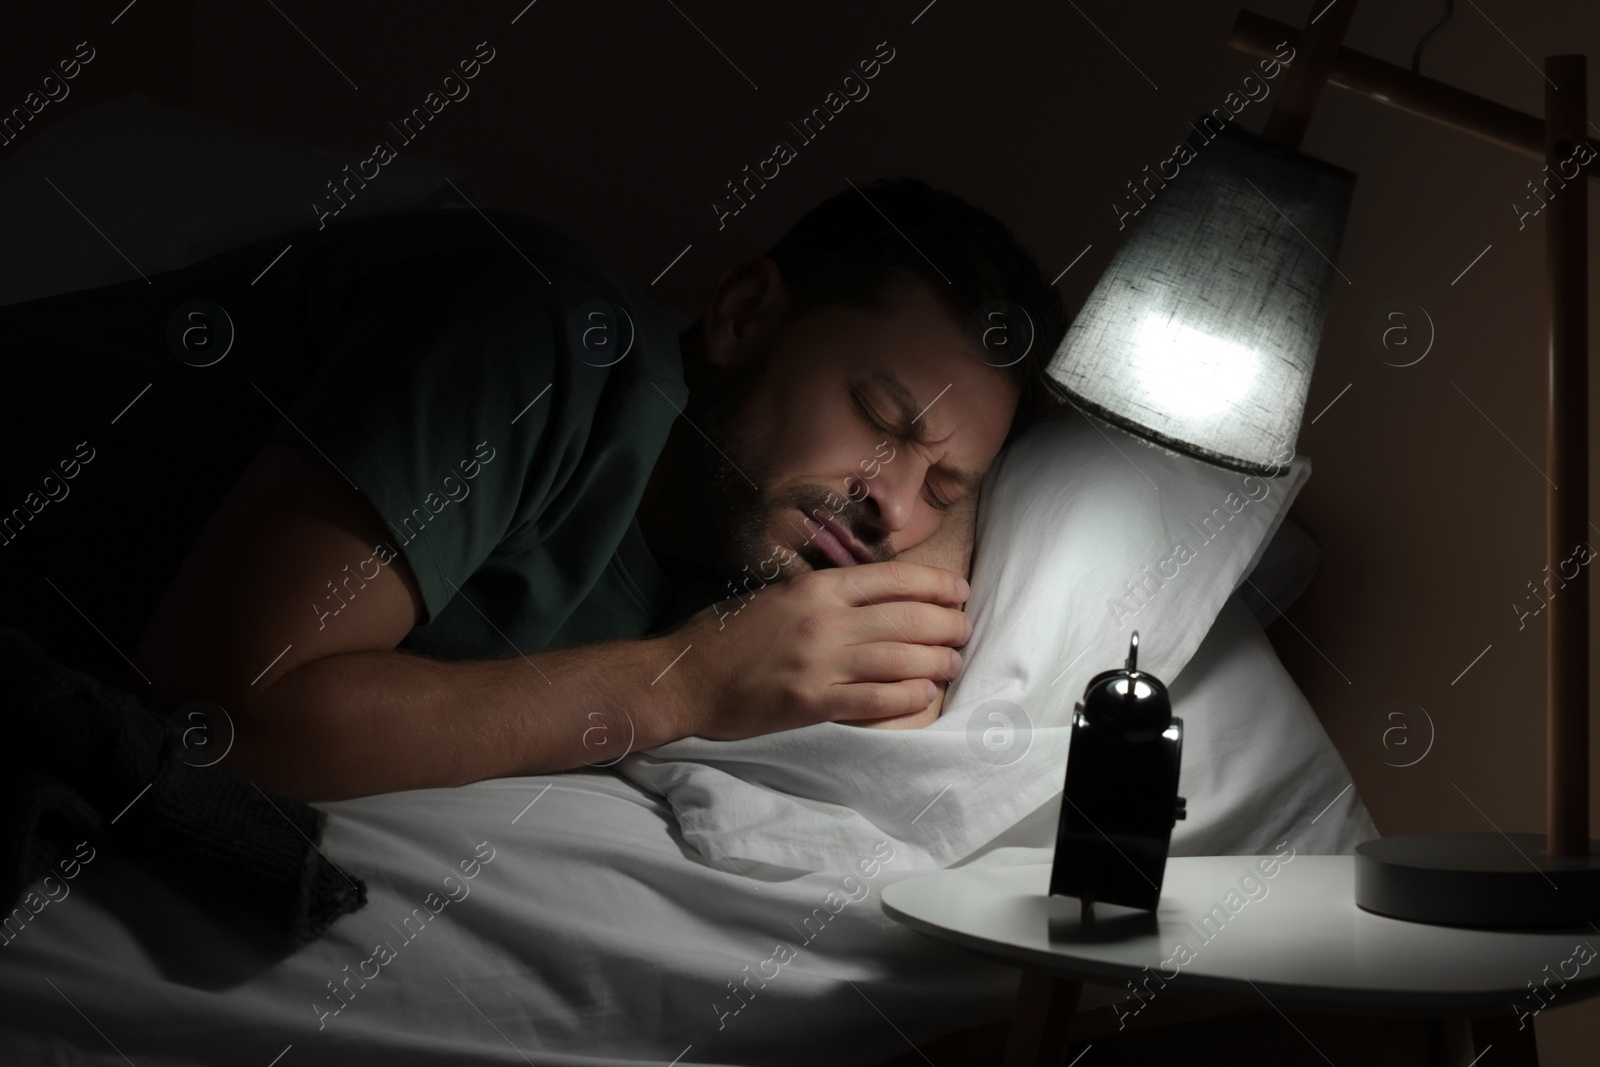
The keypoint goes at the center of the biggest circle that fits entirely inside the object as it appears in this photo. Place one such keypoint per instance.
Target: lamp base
(1478, 879)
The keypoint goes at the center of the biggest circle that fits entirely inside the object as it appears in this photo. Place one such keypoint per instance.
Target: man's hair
(864, 248)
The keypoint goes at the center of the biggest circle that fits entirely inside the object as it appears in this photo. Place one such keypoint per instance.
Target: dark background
(622, 121)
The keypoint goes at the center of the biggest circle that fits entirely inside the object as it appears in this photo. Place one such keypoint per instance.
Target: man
(443, 496)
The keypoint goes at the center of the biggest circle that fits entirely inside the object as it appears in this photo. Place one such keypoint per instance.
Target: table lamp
(1201, 335)
(1202, 332)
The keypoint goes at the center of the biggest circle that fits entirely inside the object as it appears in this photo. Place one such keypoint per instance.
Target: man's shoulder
(601, 307)
(445, 230)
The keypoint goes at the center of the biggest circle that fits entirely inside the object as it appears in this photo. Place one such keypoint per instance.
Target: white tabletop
(1301, 941)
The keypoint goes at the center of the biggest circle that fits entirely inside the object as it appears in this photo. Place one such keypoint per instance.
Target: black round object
(1478, 879)
(1132, 702)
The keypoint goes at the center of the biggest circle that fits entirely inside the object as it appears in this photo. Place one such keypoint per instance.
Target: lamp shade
(1202, 333)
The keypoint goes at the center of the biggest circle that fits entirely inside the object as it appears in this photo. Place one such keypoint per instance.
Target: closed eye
(867, 416)
(872, 420)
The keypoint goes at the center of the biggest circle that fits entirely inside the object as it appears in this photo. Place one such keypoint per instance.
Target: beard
(735, 467)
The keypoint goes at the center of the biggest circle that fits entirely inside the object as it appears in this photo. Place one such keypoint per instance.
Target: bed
(715, 902)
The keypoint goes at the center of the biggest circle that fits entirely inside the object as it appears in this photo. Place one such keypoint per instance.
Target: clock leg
(1038, 1034)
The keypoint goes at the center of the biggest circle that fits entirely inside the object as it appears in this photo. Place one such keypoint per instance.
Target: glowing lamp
(1202, 333)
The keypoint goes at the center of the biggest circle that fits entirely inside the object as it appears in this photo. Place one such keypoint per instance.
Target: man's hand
(842, 644)
(950, 547)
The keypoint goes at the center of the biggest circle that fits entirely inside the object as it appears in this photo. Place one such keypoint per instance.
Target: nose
(891, 496)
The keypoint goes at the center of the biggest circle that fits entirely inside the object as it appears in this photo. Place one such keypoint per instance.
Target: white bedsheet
(1257, 765)
(591, 937)
(596, 934)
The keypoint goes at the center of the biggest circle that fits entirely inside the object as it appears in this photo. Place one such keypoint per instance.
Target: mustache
(817, 502)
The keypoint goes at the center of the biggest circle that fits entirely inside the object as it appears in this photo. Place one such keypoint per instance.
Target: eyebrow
(906, 407)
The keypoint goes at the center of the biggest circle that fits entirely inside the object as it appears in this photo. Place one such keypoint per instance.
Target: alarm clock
(1120, 801)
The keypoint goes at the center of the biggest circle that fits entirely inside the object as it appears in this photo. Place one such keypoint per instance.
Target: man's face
(848, 438)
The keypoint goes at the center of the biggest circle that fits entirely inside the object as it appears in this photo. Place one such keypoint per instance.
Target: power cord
(1416, 54)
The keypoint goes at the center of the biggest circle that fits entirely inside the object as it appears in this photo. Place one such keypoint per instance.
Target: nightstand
(1292, 939)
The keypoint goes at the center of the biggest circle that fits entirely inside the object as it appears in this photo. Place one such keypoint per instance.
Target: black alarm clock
(1120, 801)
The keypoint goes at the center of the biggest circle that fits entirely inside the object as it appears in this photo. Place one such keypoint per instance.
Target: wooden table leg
(1449, 1042)
(1038, 1034)
(1461, 1042)
(1513, 1047)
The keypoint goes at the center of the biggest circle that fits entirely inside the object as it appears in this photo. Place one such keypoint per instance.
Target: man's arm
(326, 708)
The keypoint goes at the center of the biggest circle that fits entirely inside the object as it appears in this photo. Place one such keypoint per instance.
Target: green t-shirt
(495, 389)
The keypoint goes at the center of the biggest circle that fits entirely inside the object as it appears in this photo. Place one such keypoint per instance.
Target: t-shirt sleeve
(441, 396)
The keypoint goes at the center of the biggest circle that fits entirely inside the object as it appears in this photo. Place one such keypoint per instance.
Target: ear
(746, 309)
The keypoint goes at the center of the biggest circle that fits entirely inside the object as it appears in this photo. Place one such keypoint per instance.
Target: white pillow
(1258, 767)
(1086, 534)
(1069, 513)
(1282, 573)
